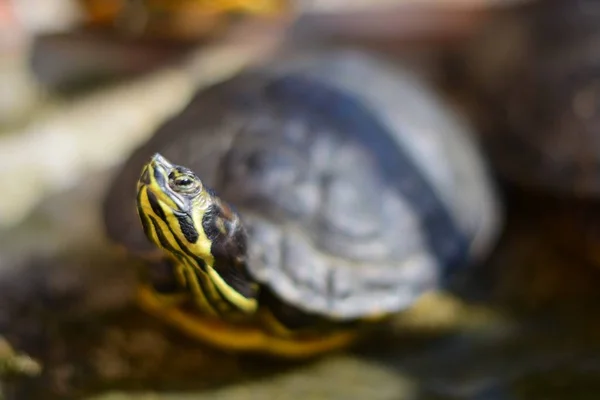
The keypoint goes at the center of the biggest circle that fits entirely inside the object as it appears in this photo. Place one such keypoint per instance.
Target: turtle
(534, 75)
(292, 207)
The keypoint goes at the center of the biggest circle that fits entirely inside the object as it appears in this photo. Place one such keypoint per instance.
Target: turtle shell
(359, 189)
(537, 70)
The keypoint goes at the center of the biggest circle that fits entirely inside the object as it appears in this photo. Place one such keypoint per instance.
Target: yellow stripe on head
(176, 210)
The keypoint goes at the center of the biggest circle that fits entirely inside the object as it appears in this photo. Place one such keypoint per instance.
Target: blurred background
(85, 82)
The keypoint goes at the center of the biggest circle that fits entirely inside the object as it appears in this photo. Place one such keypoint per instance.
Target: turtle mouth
(160, 168)
(155, 174)
(158, 161)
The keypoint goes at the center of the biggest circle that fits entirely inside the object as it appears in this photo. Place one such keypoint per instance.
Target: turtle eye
(185, 184)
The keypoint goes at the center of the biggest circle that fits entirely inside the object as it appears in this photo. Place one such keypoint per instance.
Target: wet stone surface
(66, 300)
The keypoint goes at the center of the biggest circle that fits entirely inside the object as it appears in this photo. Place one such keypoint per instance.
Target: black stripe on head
(229, 250)
(186, 252)
(161, 237)
(155, 205)
(209, 222)
(143, 217)
(145, 225)
(187, 227)
(159, 177)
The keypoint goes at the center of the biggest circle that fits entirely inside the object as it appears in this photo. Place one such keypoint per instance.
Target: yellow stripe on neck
(184, 268)
(210, 291)
(203, 244)
(245, 304)
(198, 295)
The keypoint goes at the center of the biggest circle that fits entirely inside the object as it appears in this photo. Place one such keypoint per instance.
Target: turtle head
(201, 233)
